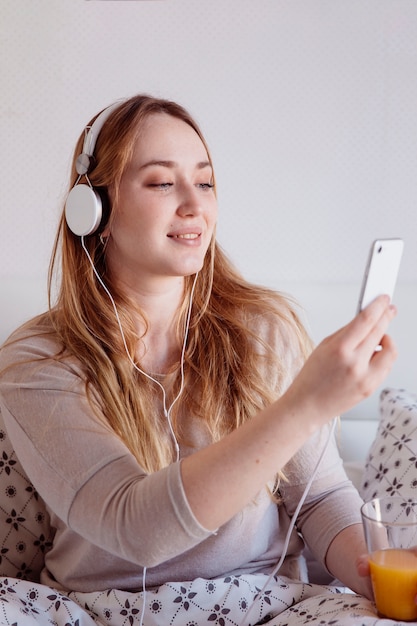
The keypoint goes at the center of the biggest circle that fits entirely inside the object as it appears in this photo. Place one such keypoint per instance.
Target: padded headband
(83, 161)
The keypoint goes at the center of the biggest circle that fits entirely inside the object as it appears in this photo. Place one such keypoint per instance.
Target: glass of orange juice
(390, 525)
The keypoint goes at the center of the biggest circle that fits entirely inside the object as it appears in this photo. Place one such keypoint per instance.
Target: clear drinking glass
(390, 525)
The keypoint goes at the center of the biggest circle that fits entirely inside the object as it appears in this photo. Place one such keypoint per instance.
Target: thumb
(362, 565)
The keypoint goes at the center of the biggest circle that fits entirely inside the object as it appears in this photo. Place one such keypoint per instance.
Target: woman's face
(166, 209)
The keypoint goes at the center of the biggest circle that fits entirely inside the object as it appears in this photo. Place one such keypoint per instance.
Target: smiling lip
(186, 236)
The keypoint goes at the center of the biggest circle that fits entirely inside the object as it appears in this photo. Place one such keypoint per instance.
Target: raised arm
(343, 370)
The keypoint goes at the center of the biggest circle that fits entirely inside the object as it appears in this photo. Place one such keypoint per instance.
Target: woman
(171, 414)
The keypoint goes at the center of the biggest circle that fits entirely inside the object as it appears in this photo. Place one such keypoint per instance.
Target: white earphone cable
(167, 412)
(142, 613)
(294, 519)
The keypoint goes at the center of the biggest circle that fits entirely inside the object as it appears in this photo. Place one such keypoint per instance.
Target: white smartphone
(381, 270)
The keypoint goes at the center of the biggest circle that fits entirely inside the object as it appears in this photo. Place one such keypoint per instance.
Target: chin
(191, 268)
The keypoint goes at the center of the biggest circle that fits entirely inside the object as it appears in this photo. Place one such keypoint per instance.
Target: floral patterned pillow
(391, 465)
(25, 531)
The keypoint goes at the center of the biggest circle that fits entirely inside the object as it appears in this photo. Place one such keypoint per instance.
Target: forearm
(342, 558)
(222, 478)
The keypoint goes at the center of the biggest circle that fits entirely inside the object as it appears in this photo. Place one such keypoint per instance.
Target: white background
(309, 108)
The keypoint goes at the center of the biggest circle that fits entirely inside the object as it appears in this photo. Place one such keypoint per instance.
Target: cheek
(125, 229)
(212, 224)
(213, 216)
(127, 216)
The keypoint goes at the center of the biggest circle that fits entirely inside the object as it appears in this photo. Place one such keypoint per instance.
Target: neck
(159, 349)
(160, 329)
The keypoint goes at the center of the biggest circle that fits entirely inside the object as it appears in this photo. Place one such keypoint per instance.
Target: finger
(362, 565)
(359, 328)
(380, 365)
(376, 336)
(387, 353)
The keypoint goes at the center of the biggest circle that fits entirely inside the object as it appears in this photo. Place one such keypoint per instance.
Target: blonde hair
(224, 361)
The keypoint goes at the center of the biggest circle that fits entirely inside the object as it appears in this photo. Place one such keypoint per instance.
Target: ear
(105, 232)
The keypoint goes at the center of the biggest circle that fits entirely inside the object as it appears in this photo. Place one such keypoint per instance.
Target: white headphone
(84, 205)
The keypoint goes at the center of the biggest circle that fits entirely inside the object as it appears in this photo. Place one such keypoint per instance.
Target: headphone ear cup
(83, 210)
(105, 207)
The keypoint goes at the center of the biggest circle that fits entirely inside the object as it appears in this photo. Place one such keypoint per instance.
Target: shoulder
(32, 348)
(276, 319)
(280, 336)
(39, 378)
(35, 337)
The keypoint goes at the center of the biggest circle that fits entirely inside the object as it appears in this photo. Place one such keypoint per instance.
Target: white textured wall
(309, 106)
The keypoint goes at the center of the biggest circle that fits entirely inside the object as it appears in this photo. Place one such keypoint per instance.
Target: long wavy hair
(224, 364)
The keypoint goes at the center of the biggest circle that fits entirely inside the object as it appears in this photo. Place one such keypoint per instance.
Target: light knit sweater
(112, 519)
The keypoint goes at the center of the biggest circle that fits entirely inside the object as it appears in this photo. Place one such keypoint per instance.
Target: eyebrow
(171, 164)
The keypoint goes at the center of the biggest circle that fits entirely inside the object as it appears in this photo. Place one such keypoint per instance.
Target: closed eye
(161, 185)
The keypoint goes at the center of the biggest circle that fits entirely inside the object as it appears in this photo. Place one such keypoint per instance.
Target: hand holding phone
(381, 270)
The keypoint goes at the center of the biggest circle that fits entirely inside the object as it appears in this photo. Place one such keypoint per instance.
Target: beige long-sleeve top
(112, 519)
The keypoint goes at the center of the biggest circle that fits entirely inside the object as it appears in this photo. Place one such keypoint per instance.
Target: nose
(189, 201)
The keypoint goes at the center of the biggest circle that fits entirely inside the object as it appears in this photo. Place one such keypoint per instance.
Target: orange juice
(394, 581)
